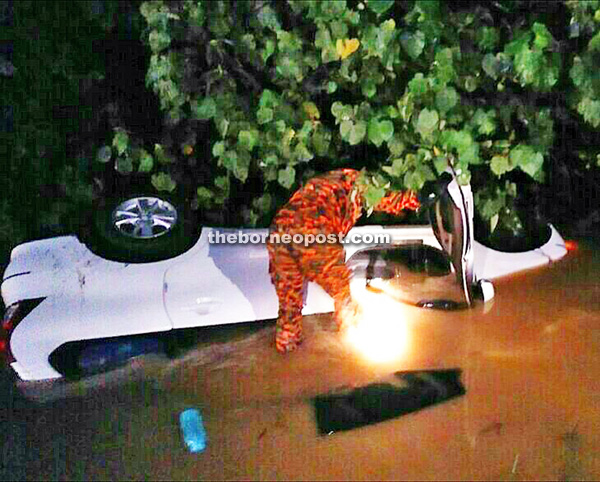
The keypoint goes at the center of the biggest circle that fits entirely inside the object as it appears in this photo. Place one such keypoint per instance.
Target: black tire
(116, 244)
(533, 236)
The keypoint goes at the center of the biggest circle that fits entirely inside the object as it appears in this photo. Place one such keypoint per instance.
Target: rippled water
(530, 370)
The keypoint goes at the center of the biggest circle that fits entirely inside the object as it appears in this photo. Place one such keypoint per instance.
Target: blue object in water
(193, 430)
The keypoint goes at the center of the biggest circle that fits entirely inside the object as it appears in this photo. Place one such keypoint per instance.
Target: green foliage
(285, 97)
(163, 182)
(584, 71)
(534, 65)
(42, 188)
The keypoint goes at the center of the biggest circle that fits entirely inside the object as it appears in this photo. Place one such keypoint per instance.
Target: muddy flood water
(530, 368)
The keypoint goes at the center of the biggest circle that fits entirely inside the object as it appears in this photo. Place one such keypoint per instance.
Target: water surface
(529, 365)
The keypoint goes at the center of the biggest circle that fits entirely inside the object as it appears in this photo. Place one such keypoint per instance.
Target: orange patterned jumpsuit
(328, 204)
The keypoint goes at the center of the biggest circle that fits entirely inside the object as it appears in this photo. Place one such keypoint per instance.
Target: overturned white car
(71, 312)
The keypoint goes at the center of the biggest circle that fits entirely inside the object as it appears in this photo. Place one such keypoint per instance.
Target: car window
(416, 274)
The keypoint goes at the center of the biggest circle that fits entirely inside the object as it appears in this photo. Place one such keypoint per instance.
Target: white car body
(87, 297)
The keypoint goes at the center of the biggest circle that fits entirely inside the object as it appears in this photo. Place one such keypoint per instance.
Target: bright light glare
(382, 335)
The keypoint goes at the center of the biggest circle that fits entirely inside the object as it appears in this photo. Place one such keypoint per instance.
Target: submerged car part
(416, 274)
(451, 214)
(451, 218)
(405, 393)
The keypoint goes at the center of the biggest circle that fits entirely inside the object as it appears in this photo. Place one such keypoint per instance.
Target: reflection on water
(382, 335)
(529, 366)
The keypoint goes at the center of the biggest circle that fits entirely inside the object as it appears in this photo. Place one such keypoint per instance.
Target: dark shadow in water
(378, 402)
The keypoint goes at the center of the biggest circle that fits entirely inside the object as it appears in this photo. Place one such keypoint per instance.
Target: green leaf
(527, 159)
(205, 196)
(543, 37)
(241, 167)
(380, 131)
(222, 182)
(396, 146)
(270, 160)
(263, 203)
(268, 50)
(520, 43)
(373, 195)
(124, 165)
(353, 133)
(205, 109)
(160, 155)
(146, 161)
(444, 66)
(487, 38)
(358, 132)
(159, 40)
(494, 222)
(195, 13)
(470, 83)
(464, 177)
(302, 153)
(331, 87)
(380, 6)
(321, 140)
(374, 133)
(248, 139)
(223, 127)
(485, 121)
(441, 164)
(590, 110)
(446, 99)
(369, 88)
(341, 112)
(413, 43)
(267, 17)
(339, 29)
(470, 155)
(419, 85)
(230, 160)
(264, 115)
(218, 149)
(427, 122)
(386, 129)
(406, 107)
(594, 43)
(280, 126)
(163, 182)
(490, 65)
(287, 177)
(345, 128)
(459, 140)
(120, 141)
(500, 165)
(421, 175)
(397, 168)
(268, 99)
(104, 154)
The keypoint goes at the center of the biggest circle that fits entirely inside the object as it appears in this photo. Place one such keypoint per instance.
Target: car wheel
(532, 236)
(142, 228)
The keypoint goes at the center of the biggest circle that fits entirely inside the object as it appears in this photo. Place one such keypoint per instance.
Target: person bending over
(329, 204)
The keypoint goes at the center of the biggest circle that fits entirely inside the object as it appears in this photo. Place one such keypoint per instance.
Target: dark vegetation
(75, 74)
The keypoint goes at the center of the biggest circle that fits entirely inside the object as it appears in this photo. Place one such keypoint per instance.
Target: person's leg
(289, 285)
(326, 265)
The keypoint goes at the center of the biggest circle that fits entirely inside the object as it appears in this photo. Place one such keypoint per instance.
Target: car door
(220, 283)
